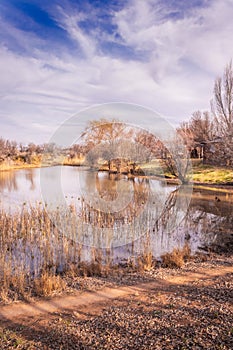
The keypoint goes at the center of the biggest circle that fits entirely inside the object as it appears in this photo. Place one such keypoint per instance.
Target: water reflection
(24, 184)
(8, 181)
(147, 221)
(107, 205)
(16, 180)
(106, 185)
(29, 175)
(214, 201)
(18, 187)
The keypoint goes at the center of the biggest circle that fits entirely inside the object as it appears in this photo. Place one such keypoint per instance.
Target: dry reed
(38, 246)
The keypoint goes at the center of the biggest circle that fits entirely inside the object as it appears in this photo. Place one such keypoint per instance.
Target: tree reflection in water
(161, 230)
(8, 181)
(148, 222)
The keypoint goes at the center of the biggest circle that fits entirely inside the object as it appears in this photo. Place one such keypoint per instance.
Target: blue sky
(60, 57)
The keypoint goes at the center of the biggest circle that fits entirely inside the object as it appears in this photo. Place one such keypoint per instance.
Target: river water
(112, 211)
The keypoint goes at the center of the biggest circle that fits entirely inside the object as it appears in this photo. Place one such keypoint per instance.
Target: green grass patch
(210, 174)
(201, 172)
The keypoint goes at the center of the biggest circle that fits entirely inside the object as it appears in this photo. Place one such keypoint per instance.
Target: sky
(60, 57)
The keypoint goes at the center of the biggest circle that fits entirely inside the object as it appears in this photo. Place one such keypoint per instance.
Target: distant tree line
(17, 152)
(7, 149)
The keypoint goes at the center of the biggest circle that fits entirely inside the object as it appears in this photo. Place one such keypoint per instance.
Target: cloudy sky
(58, 57)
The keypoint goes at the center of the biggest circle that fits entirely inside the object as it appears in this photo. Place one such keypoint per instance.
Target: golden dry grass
(177, 257)
(47, 283)
(38, 247)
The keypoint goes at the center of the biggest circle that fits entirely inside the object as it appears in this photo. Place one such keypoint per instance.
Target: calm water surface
(209, 211)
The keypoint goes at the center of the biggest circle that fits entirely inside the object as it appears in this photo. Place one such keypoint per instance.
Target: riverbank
(10, 167)
(201, 174)
(40, 162)
(161, 308)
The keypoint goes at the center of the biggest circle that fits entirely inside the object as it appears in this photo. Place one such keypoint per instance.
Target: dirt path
(99, 299)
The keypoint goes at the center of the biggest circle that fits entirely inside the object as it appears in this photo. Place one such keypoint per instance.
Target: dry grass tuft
(145, 262)
(14, 287)
(177, 257)
(47, 284)
(98, 266)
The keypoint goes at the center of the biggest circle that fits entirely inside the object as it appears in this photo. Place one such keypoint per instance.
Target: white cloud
(202, 37)
(69, 21)
(181, 58)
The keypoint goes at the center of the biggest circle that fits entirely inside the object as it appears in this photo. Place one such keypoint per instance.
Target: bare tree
(103, 130)
(7, 149)
(198, 133)
(177, 159)
(222, 109)
(222, 103)
(199, 129)
(102, 139)
(155, 148)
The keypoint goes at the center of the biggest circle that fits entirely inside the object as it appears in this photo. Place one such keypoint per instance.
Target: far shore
(221, 177)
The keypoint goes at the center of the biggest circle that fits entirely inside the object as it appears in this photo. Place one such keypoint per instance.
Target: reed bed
(34, 251)
(39, 246)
